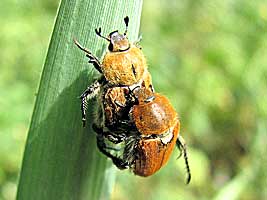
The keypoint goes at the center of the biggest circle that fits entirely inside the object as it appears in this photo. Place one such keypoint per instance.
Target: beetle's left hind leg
(89, 93)
(181, 144)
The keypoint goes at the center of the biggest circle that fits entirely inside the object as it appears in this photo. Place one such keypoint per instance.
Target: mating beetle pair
(131, 116)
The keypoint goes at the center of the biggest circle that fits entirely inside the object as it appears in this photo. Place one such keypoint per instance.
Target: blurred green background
(209, 57)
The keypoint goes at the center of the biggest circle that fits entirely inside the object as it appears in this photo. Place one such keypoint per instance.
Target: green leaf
(61, 160)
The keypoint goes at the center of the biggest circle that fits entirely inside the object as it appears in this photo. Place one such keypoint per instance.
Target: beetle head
(117, 42)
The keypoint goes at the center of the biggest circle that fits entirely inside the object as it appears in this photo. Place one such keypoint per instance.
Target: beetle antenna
(126, 21)
(98, 32)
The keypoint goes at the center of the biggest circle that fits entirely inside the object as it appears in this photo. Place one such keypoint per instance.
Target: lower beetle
(149, 133)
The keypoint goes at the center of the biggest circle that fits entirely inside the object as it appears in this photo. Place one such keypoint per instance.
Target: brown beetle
(123, 65)
(157, 122)
(150, 135)
(142, 123)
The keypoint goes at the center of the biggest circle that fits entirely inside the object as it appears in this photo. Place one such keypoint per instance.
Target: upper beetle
(123, 65)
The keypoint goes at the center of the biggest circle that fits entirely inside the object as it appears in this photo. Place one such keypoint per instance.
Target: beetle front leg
(92, 58)
(89, 93)
(181, 144)
(95, 62)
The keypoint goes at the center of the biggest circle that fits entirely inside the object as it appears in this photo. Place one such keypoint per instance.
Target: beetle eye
(110, 47)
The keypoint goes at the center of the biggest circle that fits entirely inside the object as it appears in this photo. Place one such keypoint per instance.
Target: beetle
(149, 138)
(142, 123)
(123, 65)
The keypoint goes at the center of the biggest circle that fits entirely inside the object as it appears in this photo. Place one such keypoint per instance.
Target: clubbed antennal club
(98, 32)
(126, 21)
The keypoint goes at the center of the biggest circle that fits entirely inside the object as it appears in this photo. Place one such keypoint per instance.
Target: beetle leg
(92, 58)
(103, 148)
(119, 104)
(181, 144)
(137, 42)
(130, 152)
(180, 154)
(112, 137)
(95, 62)
(89, 93)
(116, 139)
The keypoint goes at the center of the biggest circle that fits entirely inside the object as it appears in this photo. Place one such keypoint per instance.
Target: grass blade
(60, 159)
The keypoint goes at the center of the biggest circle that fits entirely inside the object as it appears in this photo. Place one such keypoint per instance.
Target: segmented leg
(94, 61)
(137, 42)
(112, 137)
(103, 148)
(92, 58)
(181, 144)
(89, 93)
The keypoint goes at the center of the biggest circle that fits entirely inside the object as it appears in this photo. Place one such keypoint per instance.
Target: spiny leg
(92, 58)
(128, 155)
(112, 137)
(103, 149)
(89, 93)
(181, 144)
